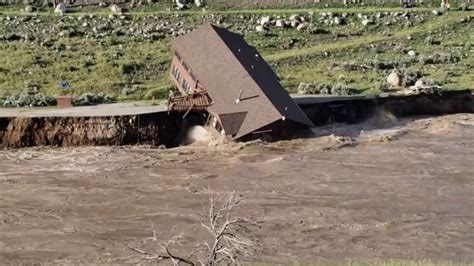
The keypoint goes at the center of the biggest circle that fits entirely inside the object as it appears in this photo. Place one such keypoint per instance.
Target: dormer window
(186, 86)
(175, 73)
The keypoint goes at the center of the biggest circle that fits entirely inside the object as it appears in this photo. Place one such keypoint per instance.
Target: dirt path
(402, 192)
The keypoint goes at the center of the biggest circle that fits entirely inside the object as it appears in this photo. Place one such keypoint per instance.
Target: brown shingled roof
(230, 69)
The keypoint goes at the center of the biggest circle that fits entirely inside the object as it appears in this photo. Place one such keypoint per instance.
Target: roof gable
(232, 122)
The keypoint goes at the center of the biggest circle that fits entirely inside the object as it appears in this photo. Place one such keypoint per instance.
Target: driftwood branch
(228, 241)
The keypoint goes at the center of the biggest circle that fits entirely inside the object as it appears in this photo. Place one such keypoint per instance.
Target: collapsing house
(217, 72)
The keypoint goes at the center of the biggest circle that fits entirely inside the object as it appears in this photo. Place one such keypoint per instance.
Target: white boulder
(302, 26)
(115, 9)
(420, 84)
(394, 79)
(181, 4)
(265, 21)
(29, 8)
(366, 22)
(280, 23)
(199, 3)
(260, 29)
(294, 23)
(295, 18)
(60, 9)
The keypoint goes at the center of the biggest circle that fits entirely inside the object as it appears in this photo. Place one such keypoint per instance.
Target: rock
(302, 26)
(420, 84)
(265, 21)
(366, 22)
(60, 9)
(337, 21)
(199, 3)
(412, 53)
(296, 18)
(115, 9)
(260, 29)
(181, 4)
(29, 8)
(280, 23)
(394, 79)
(294, 23)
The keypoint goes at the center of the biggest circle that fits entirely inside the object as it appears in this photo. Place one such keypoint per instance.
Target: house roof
(230, 69)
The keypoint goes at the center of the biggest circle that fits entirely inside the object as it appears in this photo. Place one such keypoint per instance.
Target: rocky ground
(333, 51)
(365, 193)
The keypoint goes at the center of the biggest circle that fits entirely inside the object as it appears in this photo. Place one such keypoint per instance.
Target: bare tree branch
(228, 238)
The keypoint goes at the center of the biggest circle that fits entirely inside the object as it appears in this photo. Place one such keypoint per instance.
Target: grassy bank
(131, 68)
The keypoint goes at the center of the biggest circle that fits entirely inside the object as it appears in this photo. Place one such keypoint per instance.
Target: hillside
(346, 51)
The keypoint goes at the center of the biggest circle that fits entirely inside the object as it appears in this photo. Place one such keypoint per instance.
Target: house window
(186, 86)
(175, 73)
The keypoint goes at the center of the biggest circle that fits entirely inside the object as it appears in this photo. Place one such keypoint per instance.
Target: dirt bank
(161, 128)
(156, 129)
(356, 111)
(401, 191)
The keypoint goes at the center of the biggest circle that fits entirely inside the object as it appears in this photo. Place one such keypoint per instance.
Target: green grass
(86, 66)
(309, 64)
(320, 48)
(112, 64)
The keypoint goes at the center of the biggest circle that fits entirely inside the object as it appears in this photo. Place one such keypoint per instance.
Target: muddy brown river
(380, 190)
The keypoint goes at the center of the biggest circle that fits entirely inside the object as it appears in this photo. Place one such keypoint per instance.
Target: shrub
(92, 99)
